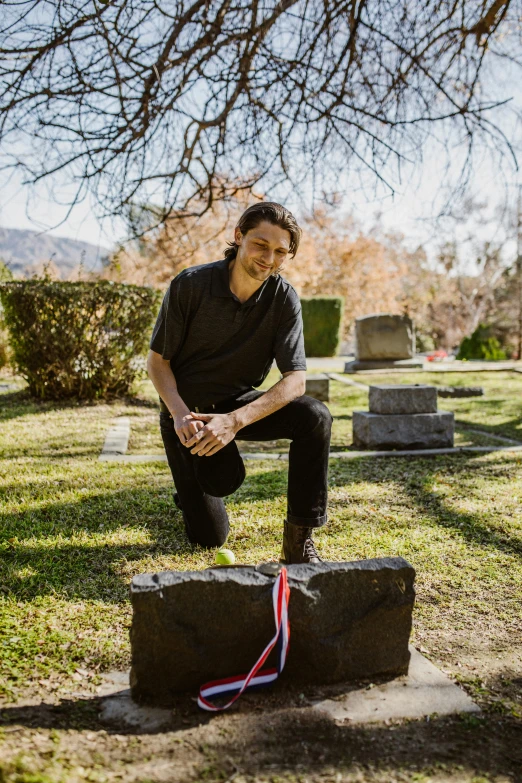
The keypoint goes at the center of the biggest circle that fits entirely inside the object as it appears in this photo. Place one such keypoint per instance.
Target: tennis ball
(225, 557)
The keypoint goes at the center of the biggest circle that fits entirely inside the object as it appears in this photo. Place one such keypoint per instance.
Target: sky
(411, 210)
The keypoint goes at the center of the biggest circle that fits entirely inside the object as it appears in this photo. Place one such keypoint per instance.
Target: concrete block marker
(348, 621)
(403, 417)
(401, 398)
(424, 691)
(403, 431)
(318, 386)
(456, 392)
(117, 438)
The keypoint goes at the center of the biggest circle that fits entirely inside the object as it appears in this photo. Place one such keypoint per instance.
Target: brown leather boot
(298, 545)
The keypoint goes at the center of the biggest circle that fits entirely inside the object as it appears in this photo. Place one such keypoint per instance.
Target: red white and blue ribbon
(256, 677)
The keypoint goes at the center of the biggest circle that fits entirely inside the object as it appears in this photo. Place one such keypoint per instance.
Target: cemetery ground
(75, 530)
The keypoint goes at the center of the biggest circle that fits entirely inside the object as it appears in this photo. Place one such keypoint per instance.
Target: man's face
(262, 250)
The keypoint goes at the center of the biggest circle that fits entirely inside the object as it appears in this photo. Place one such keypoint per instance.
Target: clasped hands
(206, 433)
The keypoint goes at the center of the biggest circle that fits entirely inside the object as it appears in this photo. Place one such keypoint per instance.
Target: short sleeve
(289, 343)
(168, 331)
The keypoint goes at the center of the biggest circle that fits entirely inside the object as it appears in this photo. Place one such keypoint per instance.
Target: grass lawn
(74, 531)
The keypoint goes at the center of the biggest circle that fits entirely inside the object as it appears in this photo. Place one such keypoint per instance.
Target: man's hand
(219, 430)
(187, 426)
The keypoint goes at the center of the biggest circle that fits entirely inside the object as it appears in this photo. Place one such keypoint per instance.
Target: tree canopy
(189, 101)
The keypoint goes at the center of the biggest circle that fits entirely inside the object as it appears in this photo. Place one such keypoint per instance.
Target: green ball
(225, 557)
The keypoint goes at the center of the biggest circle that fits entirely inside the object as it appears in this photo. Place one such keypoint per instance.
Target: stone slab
(119, 709)
(384, 336)
(405, 431)
(424, 691)
(318, 386)
(405, 398)
(457, 392)
(348, 621)
(117, 438)
(358, 365)
(472, 365)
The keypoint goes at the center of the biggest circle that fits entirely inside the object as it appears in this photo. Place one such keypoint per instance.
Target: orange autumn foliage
(335, 257)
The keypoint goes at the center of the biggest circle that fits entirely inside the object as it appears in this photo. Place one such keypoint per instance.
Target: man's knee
(314, 414)
(217, 483)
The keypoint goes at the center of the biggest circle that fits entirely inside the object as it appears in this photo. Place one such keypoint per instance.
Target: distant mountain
(25, 251)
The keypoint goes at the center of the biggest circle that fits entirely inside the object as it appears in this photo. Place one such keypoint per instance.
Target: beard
(257, 272)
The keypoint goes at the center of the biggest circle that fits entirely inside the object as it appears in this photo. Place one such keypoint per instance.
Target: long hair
(272, 213)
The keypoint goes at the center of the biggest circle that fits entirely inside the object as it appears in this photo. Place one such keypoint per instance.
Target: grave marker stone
(348, 621)
(403, 417)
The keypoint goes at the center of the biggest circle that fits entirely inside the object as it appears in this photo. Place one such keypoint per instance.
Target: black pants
(202, 482)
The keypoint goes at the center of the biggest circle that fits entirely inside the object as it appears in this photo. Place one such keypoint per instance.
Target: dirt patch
(270, 737)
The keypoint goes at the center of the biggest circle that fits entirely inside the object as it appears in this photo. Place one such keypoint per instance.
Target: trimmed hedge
(481, 345)
(322, 319)
(78, 339)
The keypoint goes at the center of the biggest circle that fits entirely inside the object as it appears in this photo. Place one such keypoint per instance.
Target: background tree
(335, 256)
(141, 100)
(158, 252)
(374, 270)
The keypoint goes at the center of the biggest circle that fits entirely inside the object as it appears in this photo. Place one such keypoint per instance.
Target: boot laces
(305, 539)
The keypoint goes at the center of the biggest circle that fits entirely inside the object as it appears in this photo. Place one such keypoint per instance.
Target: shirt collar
(220, 285)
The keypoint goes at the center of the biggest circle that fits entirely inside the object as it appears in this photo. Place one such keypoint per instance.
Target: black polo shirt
(219, 347)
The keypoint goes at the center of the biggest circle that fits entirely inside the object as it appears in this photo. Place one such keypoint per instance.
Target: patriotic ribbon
(256, 677)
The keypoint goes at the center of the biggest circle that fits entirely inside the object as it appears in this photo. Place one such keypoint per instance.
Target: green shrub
(77, 339)
(322, 318)
(481, 345)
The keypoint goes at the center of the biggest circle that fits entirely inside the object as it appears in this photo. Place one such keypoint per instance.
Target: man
(220, 327)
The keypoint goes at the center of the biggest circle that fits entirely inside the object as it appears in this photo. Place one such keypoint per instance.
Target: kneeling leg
(205, 516)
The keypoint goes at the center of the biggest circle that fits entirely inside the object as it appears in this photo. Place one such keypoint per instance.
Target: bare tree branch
(182, 103)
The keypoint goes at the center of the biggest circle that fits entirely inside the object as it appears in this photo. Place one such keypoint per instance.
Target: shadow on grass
(87, 572)
(69, 551)
(472, 527)
(478, 411)
(21, 403)
(280, 734)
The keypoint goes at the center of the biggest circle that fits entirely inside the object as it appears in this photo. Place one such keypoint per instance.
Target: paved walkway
(283, 455)
(117, 440)
(325, 363)
(336, 364)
